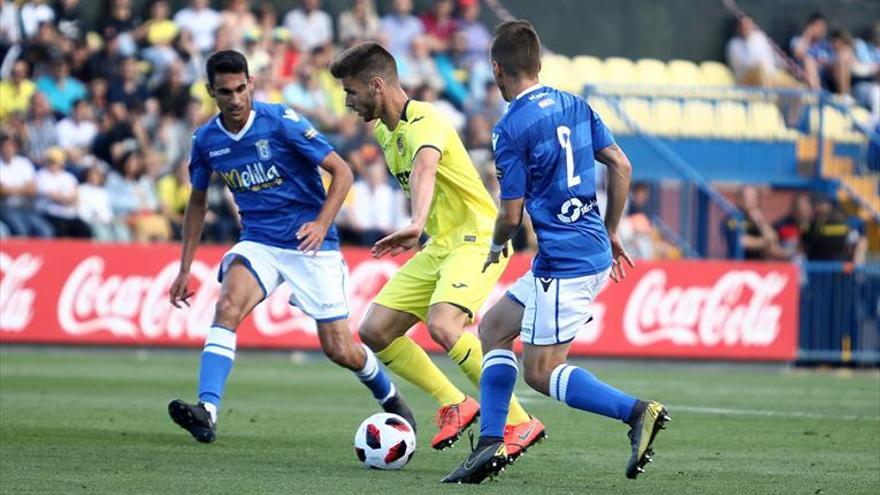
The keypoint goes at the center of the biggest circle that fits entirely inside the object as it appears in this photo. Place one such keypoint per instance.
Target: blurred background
(753, 127)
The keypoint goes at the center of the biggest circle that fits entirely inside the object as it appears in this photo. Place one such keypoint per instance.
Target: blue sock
(496, 387)
(373, 375)
(578, 388)
(217, 358)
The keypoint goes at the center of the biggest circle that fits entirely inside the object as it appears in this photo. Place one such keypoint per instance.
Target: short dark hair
(365, 61)
(226, 62)
(517, 48)
(815, 16)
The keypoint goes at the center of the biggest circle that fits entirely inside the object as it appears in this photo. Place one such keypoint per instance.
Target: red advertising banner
(68, 292)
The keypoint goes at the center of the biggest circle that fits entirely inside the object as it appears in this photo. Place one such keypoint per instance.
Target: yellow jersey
(462, 211)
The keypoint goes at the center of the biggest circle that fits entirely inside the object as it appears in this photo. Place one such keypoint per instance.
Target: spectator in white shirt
(33, 14)
(310, 26)
(753, 60)
(10, 29)
(94, 208)
(17, 191)
(378, 208)
(401, 27)
(57, 197)
(77, 131)
(200, 20)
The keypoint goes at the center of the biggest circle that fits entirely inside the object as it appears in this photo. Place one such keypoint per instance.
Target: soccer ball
(384, 441)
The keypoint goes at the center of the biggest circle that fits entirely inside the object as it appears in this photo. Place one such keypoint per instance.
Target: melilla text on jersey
(255, 176)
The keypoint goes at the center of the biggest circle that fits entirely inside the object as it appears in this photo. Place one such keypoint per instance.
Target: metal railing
(840, 314)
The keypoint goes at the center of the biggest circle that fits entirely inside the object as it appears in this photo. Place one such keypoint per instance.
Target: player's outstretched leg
(383, 331)
(239, 294)
(339, 346)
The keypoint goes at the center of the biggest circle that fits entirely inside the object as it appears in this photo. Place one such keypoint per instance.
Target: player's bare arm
(311, 234)
(619, 176)
(424, 174)
(193, 222)
(510, 216)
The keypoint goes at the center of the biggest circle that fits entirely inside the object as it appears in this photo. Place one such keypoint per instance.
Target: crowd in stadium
(97, 123)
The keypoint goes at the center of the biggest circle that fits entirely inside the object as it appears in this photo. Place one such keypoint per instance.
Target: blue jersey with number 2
(544, 152)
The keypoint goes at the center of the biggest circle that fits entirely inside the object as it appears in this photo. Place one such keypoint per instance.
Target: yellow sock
(468, 355)
(412, 363)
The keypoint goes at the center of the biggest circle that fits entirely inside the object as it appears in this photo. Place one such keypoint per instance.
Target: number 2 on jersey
(564, 135)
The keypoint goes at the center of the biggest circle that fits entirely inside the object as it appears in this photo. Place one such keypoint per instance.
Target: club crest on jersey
(263, 149)
(400, 144)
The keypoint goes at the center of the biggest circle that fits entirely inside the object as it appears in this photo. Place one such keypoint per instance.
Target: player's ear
(250, 82)
(496, 70)
(377, 85)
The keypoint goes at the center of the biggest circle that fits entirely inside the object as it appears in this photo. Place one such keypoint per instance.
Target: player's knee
(443, 333)
(229, 312)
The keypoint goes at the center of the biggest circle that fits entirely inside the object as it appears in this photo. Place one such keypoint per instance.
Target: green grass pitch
(95, 421)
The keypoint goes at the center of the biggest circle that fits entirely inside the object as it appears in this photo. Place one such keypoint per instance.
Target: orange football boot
(453, 420)
(518, 438)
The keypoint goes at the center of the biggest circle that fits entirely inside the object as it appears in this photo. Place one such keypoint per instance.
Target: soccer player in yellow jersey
(439, 285)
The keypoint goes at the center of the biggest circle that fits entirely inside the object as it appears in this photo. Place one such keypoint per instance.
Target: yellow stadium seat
(667, 117)
(715, 74)
(731, 120)
(556, 71)
(620, 70)
(682, 73)
(588, 70)
(698, 118)
(650, 71)
(639, 111)
(609, 115)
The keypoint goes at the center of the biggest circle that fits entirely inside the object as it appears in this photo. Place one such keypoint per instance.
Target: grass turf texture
(86, 421)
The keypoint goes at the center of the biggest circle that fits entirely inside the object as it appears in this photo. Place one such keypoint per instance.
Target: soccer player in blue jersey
(269, 158)
(545, 148)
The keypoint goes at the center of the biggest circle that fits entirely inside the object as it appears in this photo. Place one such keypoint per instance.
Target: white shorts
(555, 308)
(318, 281)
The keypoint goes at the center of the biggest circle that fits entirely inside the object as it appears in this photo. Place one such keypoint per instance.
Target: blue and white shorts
(555, 308)
(319, 281)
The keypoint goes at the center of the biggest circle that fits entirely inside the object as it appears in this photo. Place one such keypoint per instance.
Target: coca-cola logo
(17, 300)
(739, 309)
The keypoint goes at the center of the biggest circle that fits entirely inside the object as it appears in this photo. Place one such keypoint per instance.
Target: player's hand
(311, 236)
(179, 291)
(398, 242)
(495, 257)
(618, 257)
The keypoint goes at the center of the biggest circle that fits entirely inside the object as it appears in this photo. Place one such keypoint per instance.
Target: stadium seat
(609, 115)
(765, 122)
(667, 117)
(639, 111)
(588, 70)
(556, 71)
(698, 118)
(651, 71)
(620, 71)
(715, 74)
(682, 73)
(731, 120)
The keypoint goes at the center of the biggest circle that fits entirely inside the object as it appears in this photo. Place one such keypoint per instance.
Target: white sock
(212, 410)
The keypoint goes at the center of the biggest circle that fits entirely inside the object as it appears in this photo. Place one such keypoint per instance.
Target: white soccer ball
(384, 441)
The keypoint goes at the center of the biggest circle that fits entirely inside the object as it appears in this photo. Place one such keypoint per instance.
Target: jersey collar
(403, 112)
(528, 90)
(240, 134)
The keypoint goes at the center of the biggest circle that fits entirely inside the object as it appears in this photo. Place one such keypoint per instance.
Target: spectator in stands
(40, 132)
(439, 25)
(238, 19)
(358, 23)
(756, 235)
(106, 63)
(172, 94)
(57, 197)
(222, 223)
(420, 68)
(128, 89)
(310, 26)
(475, 34)
(95, 210)
(41, 50)
(401, 27)
(17, 192)
(173, 192)
(829, 233)
(69, 19)
(478, 141)
(33, 14)
(16, 92)
(159, 32)
(10, 26)
(60, 89)
(866, 69)
(133, 197)
(77, 131)
(201, 21)
(812, 50)
(121, 20)
(753, 59)
(791, 229)
(378, 208)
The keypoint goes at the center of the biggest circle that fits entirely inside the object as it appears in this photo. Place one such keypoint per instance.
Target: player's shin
(374, 377)
(467, 353)
(411, 362)
(218, 356)
(580, 389)
(496, 389)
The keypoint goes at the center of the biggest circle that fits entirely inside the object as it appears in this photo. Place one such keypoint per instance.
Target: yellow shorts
(432, 277)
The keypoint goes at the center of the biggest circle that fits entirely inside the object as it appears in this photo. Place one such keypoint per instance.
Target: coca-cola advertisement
(70, 292)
